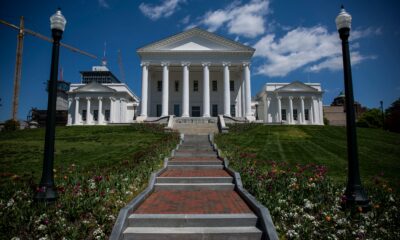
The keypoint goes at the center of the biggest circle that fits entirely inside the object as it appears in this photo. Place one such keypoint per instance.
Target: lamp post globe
(47, 191)
(355, 194)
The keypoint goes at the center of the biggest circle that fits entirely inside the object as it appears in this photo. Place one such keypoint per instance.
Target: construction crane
(121, 67)
(18, 64)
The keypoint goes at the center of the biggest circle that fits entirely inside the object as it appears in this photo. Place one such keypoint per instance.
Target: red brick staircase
(194, 197)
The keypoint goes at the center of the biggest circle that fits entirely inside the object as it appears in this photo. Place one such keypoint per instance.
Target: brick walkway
(194, 198)
(193, 202)
(195, 173)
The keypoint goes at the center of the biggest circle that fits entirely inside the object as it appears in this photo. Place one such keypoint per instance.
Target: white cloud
(185, 20)
(336, 62)
(246, 20)
(304, 46)
(103, 3)
(155, 12)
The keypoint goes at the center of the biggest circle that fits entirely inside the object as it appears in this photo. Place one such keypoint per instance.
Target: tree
(371, 118)
(392, 122)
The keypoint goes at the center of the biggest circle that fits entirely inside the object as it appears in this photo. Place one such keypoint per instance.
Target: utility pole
(18, 67)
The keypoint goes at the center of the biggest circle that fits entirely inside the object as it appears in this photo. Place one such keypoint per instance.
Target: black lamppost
(355, 194)
(47, 191)
(383, 115)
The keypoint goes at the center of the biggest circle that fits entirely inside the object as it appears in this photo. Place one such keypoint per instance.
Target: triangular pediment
(296, 87)
(94, 87)
(196, 40)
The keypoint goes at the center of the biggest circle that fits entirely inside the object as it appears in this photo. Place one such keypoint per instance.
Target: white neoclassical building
(195, 74)
(100, 99)
(291, 103)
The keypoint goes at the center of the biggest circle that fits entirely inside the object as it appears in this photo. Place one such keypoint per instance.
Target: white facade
(196, 74)
(291, 103)
(101, 104)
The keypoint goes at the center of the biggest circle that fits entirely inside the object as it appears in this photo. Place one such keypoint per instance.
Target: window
(233, 111)
(177, 87)
(95, 115)
(214, 110)
(107, 115)
(158, 110)
(195, 111)
(232, 86)
(177, 111)
(159, 86)
(214, 86)
(306, 114)
(195, 86)
(295, 114)
(283, 114)
(84, 112)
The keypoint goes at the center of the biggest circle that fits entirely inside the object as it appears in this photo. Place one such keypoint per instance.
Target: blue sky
(294, 40)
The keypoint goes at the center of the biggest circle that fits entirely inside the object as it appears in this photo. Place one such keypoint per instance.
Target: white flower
(42, 227)
(44, 238)
(391, 199)
(15, 238)
(10, 202)
(308, 204)
(292, 233)
(111, 217)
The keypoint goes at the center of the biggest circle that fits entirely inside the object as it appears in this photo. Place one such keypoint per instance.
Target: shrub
(11, 125)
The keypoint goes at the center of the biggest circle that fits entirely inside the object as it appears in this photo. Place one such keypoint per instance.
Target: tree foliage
(371, 118)
(392, 121)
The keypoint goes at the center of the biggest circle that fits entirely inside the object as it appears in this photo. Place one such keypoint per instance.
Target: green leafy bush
(11, 125)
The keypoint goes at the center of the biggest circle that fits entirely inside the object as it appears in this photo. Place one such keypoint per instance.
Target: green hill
(379, 151)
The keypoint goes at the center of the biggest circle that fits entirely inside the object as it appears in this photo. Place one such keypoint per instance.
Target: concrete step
(194, 180)
(194, 167)
(195, 153)
(193, 147)
(194, 186)
(192, 233)
(192, 220)
(202, 162)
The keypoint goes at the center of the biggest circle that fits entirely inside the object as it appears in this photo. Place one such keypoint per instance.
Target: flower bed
(306, 204)
(89, 198)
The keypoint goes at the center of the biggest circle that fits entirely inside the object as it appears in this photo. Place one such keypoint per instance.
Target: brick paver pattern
(193, 202)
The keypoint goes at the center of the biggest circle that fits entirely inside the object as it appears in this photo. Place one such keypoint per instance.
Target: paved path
(193, 199)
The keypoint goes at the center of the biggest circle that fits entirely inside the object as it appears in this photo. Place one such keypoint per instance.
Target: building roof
(94, 87)
(195, 40)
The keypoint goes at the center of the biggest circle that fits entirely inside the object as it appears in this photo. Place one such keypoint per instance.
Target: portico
(291, 103)
(196, 74)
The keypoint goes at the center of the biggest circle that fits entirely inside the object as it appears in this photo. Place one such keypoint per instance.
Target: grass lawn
(379, 151)
(299, 174)
(98, 169)
(91, 148)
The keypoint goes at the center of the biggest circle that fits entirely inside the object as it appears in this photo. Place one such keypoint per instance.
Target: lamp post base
(46, 194)
(356, 197)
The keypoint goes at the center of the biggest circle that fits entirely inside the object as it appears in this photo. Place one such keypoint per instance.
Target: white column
(290, 110)
(145, 85)
(112, 110)
(266, 107)
(206, 90)
(69, 121)
(321, 111)
(315, 110)
(100, 110)
(312, 116)
(247, 88)
(165, 89)
(227, 95)
(279, 109)
(243, 96)
(76, 117)
(88, 113)
(185, 88)
(302, 119)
